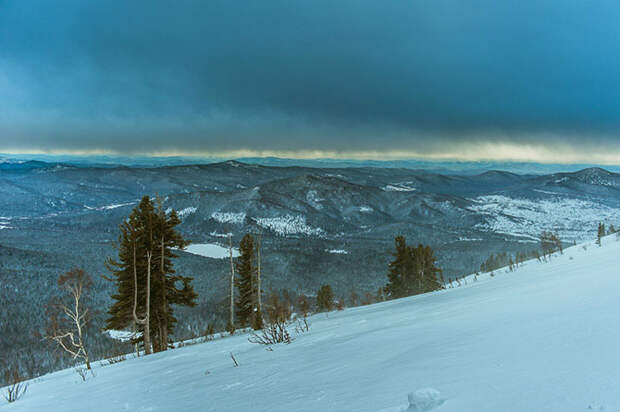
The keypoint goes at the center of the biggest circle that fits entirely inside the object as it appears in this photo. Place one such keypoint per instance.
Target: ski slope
(545, 337)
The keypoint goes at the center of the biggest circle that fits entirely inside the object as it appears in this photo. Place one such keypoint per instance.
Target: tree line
(147, 288)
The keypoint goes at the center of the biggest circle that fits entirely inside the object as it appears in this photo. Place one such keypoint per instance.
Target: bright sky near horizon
(535, 80)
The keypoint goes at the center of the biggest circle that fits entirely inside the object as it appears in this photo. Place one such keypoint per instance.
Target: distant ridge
(444, 167)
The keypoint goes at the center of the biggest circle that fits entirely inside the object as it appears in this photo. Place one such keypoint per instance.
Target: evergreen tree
(600, 234)
(398, 270)
(425, 274)
(145, 279)
(246, 283)
(412, 271)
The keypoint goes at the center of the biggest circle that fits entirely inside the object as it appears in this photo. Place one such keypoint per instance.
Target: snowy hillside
(542, 338)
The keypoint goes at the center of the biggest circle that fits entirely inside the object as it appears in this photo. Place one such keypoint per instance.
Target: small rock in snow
(424, 400)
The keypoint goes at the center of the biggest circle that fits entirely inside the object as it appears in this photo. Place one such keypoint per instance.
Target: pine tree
(257, 321)
(230, 325)
(426, 272)
(398, 270)
(246, 283)
(412, 271)
(144, 275)
(600, 234)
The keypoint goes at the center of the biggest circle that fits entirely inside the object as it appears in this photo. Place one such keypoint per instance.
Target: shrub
(325, 298)
(274, 333)
(16, 385)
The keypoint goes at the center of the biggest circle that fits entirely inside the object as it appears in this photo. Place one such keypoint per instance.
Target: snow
(4, 223)
(541, 338)
(186, 212)
(110, 207)
(122, 335)
(424, 400)
(210, 250)
(313, 198)
(572, 219)
(228, 217)
(398, 187)
(288, 225)
(337, 251)
(215, 234)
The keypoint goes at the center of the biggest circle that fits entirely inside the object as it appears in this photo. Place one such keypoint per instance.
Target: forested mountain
(318, 226)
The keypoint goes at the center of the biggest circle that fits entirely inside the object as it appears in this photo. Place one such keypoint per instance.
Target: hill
(541, 338)
(332, 225)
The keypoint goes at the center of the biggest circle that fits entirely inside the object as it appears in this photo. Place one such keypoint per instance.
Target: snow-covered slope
(542, 338)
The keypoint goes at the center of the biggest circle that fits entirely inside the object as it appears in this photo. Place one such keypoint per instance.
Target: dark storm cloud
(306, 75)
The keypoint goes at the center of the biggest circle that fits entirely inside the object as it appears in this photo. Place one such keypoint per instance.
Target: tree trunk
(258, 291)
(231, 320)
(77, 294)
(147, 316)
(163, 336)
(146, 336)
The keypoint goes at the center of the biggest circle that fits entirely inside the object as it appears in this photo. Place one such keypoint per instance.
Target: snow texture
(570, 218)
(398, 187)
(337, 251)
(215, 234)
(110, 207)
(4, 223)
(288, 225)
(542, 338)
(186, 212)
(313, 199)
(424, 400)
(122, 335)
(228, 217)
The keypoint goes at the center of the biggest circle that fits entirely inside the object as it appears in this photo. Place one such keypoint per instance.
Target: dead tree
(69, 315)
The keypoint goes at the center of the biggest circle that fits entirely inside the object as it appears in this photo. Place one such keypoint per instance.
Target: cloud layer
(400, 78)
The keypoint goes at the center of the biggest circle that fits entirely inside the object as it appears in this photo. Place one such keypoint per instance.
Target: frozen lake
(210, 250)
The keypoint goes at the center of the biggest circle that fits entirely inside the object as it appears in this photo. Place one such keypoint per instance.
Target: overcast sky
(480, 79)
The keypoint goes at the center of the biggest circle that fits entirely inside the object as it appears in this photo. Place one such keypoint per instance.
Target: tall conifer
(246, 282)
(145, 278)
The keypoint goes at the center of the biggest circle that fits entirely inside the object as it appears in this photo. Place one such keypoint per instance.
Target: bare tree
(69, 315)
